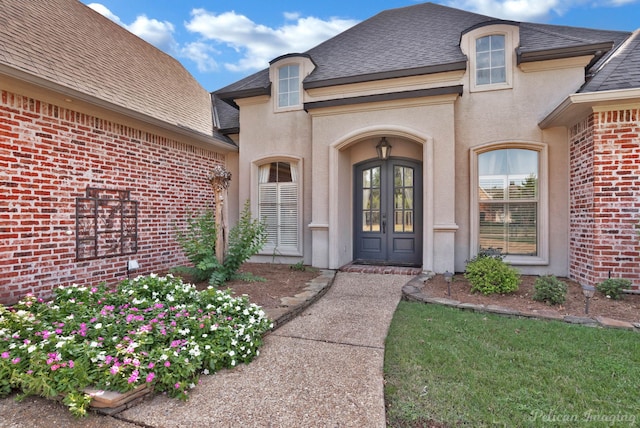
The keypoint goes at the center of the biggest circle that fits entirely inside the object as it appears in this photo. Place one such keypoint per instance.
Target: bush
(490, 275)
(199, 244)
(550, 289)
(613, 287)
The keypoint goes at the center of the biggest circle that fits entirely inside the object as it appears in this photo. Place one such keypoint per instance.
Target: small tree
(199, 243)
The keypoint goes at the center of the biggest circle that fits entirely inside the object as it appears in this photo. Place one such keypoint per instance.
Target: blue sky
(220, 42)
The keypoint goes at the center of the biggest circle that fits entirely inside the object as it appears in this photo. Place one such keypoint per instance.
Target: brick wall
(49, 155)
(581, 202)
(604, 234)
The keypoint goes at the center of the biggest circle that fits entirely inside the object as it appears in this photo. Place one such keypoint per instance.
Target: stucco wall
(512, 115)
(50, 155)
(267, 136)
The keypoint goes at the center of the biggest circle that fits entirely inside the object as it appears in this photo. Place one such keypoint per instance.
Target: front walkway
(322, 369)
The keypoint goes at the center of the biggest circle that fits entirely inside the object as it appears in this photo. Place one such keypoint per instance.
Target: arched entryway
(388, 209)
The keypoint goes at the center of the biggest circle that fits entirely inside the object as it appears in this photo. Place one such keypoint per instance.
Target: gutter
(579, 105)
(181, 130)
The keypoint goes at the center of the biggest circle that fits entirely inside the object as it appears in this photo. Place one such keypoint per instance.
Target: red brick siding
(49, 155)
(615, 211)
(581, 202)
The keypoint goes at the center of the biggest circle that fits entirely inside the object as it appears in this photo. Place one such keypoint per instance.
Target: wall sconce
(383, 148)
(132, 266)
(448, 276)
(588, 291)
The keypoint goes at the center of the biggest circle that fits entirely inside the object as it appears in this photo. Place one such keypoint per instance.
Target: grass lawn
(449, 367)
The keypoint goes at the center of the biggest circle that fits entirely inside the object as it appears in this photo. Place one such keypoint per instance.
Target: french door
(388, 212)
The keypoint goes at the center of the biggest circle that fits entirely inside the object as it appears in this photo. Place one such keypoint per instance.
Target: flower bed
(152, 330)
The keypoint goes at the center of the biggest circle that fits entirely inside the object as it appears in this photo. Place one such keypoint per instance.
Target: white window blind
(508, 201)
(278, 205)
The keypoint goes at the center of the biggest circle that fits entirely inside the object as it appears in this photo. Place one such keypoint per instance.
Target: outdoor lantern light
(588, 291)
(448, 276)
(383, 148)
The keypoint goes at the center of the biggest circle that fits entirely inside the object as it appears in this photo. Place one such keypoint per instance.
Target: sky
(220, 42)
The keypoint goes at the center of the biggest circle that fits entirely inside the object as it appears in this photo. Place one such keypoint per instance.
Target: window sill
(526, 261)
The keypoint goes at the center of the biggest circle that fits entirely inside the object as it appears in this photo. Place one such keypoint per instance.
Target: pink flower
(55, 367)
(133, 377)
(71, 364)
(16, 360)
(167, 364)
(150, 377)
(5, 354)
(177, 385)
(151, 365)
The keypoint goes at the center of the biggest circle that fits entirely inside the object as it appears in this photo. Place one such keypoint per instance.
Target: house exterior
(105, 144)
(509, 136)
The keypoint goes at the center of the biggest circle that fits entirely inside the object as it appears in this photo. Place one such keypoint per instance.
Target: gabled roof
(66, 46)
(423, 39)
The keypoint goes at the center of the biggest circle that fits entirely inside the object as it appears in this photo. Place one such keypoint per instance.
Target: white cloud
(530, 10)
(104, 11)
(200, 53)
(159, 34)
(258, 44)
(517, 10)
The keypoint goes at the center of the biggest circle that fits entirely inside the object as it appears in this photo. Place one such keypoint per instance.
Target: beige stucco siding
(270, 136)
(343, 136)
(512, 115)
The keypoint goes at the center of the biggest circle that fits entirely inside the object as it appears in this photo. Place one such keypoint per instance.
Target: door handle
(384, 226)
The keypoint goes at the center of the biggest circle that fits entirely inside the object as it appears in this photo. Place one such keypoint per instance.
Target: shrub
(550, 289)
(490, 275)
(612, 287)
(199, 244)
(152, 330)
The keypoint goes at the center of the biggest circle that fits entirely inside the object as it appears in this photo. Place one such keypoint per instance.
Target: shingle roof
(69, 44)
(620, 71)
(416, 40)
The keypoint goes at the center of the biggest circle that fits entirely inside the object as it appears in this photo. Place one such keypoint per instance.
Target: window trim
(255, 198)
(542, 258)
(511, 39)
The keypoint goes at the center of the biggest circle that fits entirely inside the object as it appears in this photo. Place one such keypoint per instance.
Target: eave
(393, 96)
(595, 49)
(432, 69)
(178, 129)
(577, 106)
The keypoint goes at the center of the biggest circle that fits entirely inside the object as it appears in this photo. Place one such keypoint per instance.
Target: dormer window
(490, 48)
(289, 86)
(490, 60)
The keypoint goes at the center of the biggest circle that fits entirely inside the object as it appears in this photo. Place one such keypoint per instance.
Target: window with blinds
(278, 205)
(508, 199)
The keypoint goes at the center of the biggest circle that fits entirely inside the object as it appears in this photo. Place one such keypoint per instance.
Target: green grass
(461, 368)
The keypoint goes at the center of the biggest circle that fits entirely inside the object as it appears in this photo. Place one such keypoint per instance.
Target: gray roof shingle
(417, 39)
(620, 71)
(69, 44)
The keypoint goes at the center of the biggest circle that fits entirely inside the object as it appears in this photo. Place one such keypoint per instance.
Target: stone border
(290, 307)
(414, 290)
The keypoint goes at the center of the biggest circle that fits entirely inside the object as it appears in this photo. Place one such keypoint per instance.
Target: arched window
(278, 206)
(509, 202)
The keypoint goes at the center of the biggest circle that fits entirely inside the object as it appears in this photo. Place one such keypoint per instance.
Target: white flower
(163, 357)
(231, 353)
(98, 326)
(205, 371)
(93, 344)
(31, 348)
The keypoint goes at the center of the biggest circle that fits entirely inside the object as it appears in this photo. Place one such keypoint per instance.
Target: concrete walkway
(322, 369)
